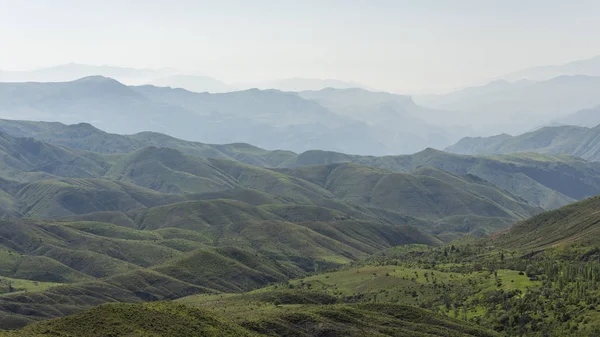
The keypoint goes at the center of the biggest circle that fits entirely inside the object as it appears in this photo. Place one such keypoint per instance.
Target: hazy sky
(402, 46)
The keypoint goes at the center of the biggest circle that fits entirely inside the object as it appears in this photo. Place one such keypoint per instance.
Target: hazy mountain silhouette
(195, 83)
(270, 119)
(517, 107)
(585, 117)
(303, 84)
(73, 71)
(590, 67)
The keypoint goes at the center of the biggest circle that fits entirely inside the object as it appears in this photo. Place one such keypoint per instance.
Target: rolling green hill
(170, 251)
(456, 203)
(171, 319)
(575, 223)
(530, 176)
(84, 228)
(86, 137)
(428, 193)
(66, 197)
(545, 181)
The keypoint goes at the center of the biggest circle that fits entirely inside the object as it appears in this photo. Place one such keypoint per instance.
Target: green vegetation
(153, 319)
(548, 182)
(540, 278)
(265, 319)
(176, 250)
(86, 137)
(545, 181)
(48, 185)
(11, 285)
(296, 245)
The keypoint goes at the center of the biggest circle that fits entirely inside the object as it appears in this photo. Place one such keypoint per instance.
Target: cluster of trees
(562, 299)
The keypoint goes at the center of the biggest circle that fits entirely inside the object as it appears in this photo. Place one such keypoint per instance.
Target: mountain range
(90, 217)
(47, 181)
(73, 71)
(537, 174)
(178, 206)
(167, 77)
(270, 119)
(156, 223)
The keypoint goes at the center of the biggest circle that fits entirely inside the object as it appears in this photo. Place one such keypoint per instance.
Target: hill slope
(575, 223)
(175, 250)
(170, 319)
(545, 181)
(427, 194)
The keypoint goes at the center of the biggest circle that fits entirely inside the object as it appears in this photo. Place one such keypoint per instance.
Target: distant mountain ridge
(590, 67)
(302, 84)
(586, 117)
(517, 107)
(171, 77)
(195, 83)
(270, 119)
(74, 71)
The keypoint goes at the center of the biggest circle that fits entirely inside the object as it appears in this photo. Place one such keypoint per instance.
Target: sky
(403, 46)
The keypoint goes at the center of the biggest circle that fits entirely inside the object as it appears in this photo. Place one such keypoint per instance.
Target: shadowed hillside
(170, 319)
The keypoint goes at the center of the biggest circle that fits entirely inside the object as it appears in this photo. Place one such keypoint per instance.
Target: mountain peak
(101, 85)
(96, 79)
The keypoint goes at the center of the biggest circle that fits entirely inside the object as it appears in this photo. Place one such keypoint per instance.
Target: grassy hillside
(427, 194)
(574, 140)
(548, 182)
(171, 319)
(545, 181)
(23, 156)
(153, 319)
(66, 197)
(575, 223)
(170, 251)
